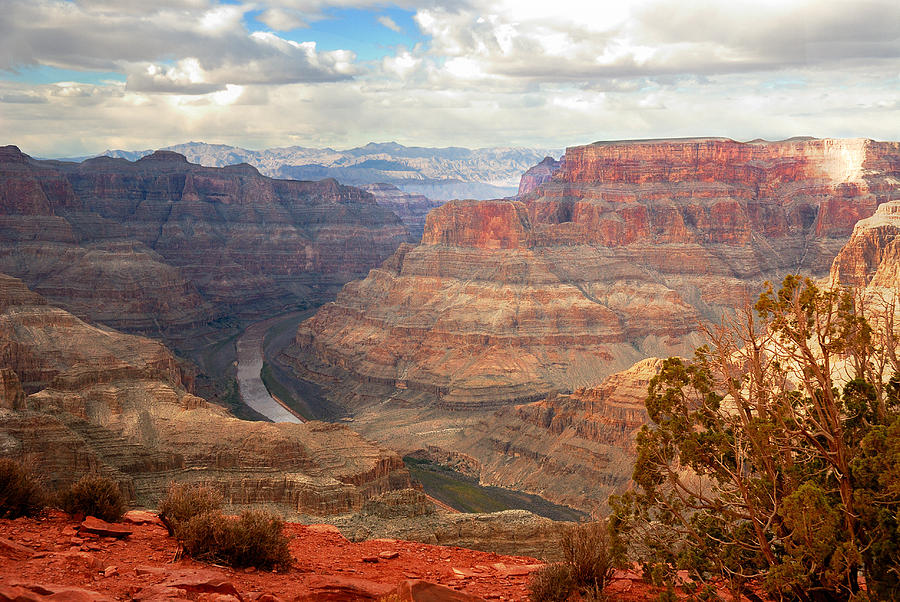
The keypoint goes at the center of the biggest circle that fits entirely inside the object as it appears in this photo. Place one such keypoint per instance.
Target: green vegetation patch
(466, 495)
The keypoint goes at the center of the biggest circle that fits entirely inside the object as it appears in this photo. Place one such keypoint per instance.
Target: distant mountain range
(437, 173)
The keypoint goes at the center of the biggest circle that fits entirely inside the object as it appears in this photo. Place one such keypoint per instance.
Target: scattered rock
(142, 517)
(86, 559)
(11, 549)
(160, 593)
(324, 529)
(9, 593)
(516, 570)
(335, 587)
(201, 581)
(149, 570)
(416, 590)
(26, 592)
(104, 529)
(388, 555)
(370, 559)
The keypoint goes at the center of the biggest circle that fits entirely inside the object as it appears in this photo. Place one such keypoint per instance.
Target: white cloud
(281, 19)
(389, 23)
(497, 72)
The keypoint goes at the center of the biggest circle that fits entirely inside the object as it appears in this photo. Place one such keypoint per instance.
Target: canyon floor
(50, 556)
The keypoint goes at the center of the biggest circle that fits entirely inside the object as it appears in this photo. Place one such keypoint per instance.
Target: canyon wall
(79, 398)
(410, 208)
(870, 260)
(487, 339)
(165, 247)
(617, 257)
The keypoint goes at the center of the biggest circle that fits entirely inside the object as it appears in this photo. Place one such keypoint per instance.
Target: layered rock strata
(870, 260)
(411, 208)
(473, 341)
(164, 246)
(537, 175)
(113, 403)
(410, 515)
(619, 256)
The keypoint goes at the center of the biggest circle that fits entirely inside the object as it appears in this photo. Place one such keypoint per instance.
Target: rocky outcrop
(411, 208)
(537, 175)
(103, 401)
(573, 449)
(617, 257)
(164, 246)
(410, 515)
(870, 260)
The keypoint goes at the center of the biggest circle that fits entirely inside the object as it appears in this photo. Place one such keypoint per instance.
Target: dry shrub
(255, 539)
(184, 501)
(20, 493)
(589, 549)
(552, 583)
(93, 495)
(590, 556)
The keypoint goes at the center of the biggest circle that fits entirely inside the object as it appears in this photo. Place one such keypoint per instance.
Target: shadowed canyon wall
(166, 247)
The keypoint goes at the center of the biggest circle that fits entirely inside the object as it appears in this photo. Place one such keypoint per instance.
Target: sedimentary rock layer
(618, 256)
(115, 403)
(411, 208)
(161, 245)
(871, 258)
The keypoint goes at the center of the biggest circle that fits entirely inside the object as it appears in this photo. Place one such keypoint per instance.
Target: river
(249, 365)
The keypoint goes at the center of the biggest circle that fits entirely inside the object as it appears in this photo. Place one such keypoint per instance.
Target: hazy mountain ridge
(438, 173)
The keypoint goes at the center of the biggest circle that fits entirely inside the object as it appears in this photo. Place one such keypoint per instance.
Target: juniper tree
(773, 456)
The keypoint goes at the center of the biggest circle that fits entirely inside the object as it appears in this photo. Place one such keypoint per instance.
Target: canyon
(175, 250)
(411, 208)
(79, 398)
(517, 310)
(512, 345)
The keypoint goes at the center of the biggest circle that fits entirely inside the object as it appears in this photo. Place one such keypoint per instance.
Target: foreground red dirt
(42, 557)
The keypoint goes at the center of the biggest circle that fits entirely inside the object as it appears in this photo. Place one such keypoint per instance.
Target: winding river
(249, 365)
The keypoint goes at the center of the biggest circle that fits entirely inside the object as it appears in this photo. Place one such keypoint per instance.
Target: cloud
(389, 23)
(569, 41)
(494, 72)
(281, 19)
(189, 47)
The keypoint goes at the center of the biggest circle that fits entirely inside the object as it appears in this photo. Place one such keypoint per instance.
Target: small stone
(388, 555)
(370, 559)
(250, 569)
(110, 571)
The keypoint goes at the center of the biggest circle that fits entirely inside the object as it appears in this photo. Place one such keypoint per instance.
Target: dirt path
(249, 365)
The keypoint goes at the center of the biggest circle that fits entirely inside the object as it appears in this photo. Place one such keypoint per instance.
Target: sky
(80, 76)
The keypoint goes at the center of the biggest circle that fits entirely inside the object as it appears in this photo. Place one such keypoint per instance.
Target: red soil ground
(46, 554)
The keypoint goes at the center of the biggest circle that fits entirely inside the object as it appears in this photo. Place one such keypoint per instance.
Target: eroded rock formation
(473, 340)
(871, 258)
(411, 208)
(617, 257)
(115, 403)
(164, 246)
